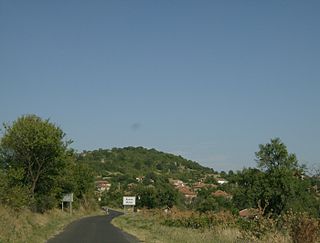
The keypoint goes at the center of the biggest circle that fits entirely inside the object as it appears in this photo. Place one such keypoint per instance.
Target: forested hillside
(138, 161)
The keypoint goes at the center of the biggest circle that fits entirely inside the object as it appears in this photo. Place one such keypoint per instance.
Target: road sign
(129, 201)
(67, 197)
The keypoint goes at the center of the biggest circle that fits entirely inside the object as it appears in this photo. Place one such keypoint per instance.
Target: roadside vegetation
(277, 201)
(30, 227)
(37, 168)
(187, 226)
(152, 226)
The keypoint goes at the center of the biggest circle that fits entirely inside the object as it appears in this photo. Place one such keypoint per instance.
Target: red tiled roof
(220, 193)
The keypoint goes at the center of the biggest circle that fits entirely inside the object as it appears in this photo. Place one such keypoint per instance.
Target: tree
(274, 155)
(113, 197)
(83, 178)
(147, 196)
(12, 191)
(37, 147)
(278, 185)
(250, 188)
(204, 201)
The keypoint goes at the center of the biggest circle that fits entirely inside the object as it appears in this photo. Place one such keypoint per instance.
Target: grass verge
(148, 228)
(187, 226)
(26, 226)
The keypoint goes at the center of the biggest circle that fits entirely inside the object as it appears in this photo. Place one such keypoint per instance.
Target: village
(188, 190)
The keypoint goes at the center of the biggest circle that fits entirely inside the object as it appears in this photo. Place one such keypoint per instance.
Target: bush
(12, 192)
(299, 226)
(304, 229)
(258, 228)
(200, 221)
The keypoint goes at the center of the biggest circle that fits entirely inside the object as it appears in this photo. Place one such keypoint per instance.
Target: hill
(138, 161)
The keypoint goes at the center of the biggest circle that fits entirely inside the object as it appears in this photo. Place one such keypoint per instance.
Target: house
(221, 181)
(177, 183)
(188, 194)
(198, 186)
(140, 178)
(220, 193)
(249, 213)
(131, 186)
(103, 185)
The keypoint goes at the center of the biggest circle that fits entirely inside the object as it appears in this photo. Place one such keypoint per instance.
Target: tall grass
(188, 226)
(26, 226)
(149, 227)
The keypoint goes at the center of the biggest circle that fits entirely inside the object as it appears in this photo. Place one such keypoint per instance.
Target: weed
(304, 229)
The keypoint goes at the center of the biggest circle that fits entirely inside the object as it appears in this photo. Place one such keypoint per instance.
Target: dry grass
(305, 229)
(25, 226)
(149, 226)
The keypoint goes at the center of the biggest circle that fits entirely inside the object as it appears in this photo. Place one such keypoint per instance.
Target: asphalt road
(97, 229)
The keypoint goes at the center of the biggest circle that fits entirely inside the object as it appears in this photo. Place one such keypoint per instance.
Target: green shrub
(200, 221)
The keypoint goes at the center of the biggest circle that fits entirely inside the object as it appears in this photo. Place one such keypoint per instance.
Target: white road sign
(131, 201)
(67, 197)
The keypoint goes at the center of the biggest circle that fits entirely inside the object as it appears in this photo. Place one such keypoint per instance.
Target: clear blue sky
(209, 80)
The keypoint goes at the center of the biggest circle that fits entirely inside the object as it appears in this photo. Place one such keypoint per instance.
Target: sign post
(67, 198)
(129, 201)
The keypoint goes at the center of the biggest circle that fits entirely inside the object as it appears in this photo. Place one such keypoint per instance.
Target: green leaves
(139, 161)
(12, 190)
(36, 148)
(278, 186)
(274, 155)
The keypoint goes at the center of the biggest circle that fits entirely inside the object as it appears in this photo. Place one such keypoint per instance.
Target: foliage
(77, 179)
(121, 167)
(304, 229)
(274, 155)
(158, 195)
(278, 186)
(199, 221)
(36, 147)
(12, 191)
(149, 226)
(29, 227)
(83, 178)
(249, 191)
(112, 198)
(207, 202)
(299, 226)
(139, 161)
(154, 192)
(257, 228)
(36, 166)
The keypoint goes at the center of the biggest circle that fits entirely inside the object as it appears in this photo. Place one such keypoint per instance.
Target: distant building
(249, 213)
(221, 181)
(177, 183)
(220, 193)
(188, 194)
(140, 178)
(132, 186)
(103, 185)
(199, 185)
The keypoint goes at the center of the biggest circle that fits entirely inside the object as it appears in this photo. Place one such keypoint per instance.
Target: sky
(207, 80)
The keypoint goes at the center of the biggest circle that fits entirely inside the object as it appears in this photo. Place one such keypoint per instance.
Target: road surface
(97, 229)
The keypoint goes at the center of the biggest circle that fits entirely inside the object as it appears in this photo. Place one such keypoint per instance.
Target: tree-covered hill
(139, 161)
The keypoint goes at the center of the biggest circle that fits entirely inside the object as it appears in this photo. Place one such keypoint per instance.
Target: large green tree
(38, 148)
(274, 155)
(278, 185)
